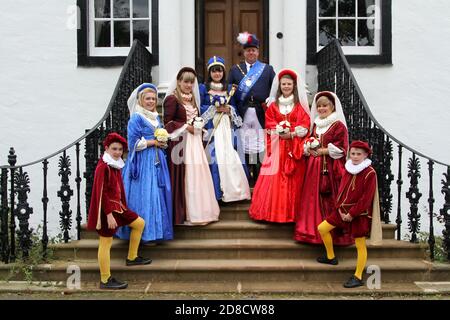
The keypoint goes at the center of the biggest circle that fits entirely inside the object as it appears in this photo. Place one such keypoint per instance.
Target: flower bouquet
(162, 135)
(283, 127)
(312, 143)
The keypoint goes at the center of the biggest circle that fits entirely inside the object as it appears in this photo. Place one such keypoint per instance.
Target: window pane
(121, 8)
(102, 9)
(366, 8)
(327, 31)
(347, 32)
(103, 34)
(347, 8)
(366, 33)
(140, 8)
(327, 8)
(121, 33)
(141, 31)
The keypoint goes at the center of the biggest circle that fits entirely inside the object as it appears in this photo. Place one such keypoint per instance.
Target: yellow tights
(105, 243)
(361, 248)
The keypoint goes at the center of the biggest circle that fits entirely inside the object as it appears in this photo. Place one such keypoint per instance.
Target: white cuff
(305, 150)
(141, 145)
(335, 152)
(178, 132)
(301, 131)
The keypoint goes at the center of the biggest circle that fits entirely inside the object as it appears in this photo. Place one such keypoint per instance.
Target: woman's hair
(142, 95)
(326, 100)
(185, 76)
(224, 78)
(295, 92)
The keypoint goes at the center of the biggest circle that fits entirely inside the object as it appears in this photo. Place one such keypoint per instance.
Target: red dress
(314, 205)
(276, 196)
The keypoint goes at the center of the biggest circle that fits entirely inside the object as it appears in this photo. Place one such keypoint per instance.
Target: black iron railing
(335, 74)
(136, 70)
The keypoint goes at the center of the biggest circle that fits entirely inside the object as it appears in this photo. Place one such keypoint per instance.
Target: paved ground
(19, 290)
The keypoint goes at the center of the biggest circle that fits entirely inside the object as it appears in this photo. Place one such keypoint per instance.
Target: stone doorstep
(331, 289)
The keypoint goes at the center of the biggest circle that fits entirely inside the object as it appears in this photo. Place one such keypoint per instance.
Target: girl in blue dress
(146, 174)
(229, 176)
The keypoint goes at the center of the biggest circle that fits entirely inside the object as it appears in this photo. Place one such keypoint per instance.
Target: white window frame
(354, 50)
(115, 51)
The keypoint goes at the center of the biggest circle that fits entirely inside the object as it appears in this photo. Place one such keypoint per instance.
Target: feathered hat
(248, 40)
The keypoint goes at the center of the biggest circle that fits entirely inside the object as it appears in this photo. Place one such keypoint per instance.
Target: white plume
(243, 38)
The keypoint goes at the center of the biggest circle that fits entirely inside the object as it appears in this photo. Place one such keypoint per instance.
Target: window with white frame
(114, 24)
(355, 23)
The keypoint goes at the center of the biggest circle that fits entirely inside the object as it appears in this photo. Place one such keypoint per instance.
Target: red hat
(361, 145)
(288, 72)
(115, 137)
(326, 94)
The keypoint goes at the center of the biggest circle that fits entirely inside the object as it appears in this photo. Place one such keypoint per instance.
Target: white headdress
(173, 85)
(301, 87)
(134, 97)
(337, 105)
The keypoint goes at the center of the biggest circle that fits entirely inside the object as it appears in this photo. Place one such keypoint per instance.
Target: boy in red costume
(108, 211)
(357, 209)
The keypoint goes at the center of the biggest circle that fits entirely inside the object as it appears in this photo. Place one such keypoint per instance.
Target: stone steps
(239, 229)
(228, 271)
(234, 249)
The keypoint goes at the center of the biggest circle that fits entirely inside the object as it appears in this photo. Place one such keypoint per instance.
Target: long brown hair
(295, 92)
(185, 76)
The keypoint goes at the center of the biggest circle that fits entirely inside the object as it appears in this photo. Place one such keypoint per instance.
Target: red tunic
(276, 196)
(175, 118)
(108, 196)
(356, 194)
(315, 206)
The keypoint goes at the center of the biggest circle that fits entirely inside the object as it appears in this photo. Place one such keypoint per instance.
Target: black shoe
(113, 284)
(325, 260)
(139, 261)
(353, 282)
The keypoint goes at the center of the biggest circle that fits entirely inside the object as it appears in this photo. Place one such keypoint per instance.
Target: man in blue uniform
(254, 80)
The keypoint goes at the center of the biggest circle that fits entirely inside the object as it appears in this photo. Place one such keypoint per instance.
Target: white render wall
(46, 101)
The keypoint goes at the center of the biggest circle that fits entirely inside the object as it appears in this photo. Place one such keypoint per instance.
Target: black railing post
(431, 239)
(445, 211)
(44, 208)
(23, 211)
(12, 160)
(4, 216)
(65, 193)
(78, 181)
(414, 196)
(398, 221)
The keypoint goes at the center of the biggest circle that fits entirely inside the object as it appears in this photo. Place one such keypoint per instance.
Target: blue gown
(147, 183)
(206, 99)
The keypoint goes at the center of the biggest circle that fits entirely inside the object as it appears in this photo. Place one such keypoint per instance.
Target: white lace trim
(355, 169)
(324, 124)
(117, 164)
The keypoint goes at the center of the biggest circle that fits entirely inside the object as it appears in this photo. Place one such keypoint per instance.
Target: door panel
(224, 19)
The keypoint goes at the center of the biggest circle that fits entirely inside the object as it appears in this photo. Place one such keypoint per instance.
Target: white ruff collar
(148, 114)
(328, 121)
(355, 169)
(216, 86)
(116, 164)
(286, 101)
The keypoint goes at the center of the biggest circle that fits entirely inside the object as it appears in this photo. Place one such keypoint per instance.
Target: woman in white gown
(230, 180)
(194, 201)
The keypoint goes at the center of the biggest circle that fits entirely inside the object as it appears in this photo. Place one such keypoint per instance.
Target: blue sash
(250, 79)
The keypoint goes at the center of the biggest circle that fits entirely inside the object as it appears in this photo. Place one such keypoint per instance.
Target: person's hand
(286, 136)
(223, 109)
(190, 129)
(163, 145)
(313, 152)
(347, 218)
(112, 224)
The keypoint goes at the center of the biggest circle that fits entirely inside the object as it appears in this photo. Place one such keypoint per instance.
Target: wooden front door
(224, 19)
